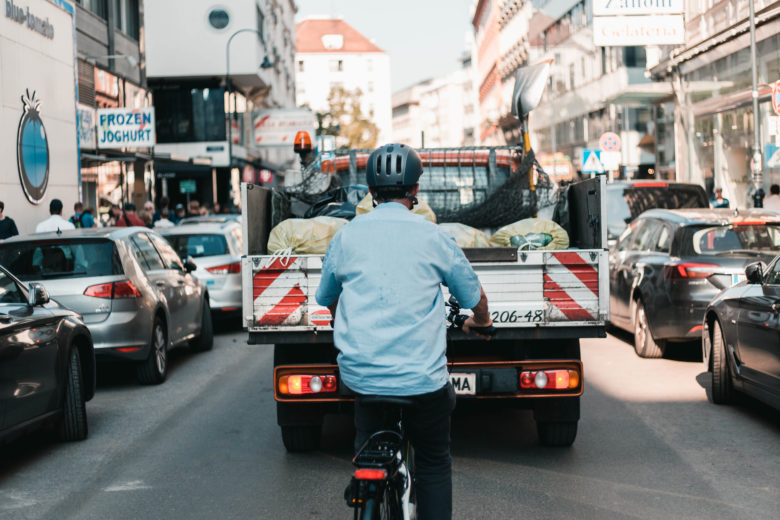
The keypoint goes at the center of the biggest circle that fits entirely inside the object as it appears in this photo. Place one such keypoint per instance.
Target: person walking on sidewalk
(7, 225)
(55, 222)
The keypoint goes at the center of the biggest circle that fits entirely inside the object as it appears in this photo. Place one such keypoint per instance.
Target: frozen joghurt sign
(22, 15)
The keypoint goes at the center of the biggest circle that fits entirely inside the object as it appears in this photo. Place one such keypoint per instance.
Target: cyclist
(381, 279)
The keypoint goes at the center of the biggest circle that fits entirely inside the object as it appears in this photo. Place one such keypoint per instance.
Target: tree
(345, 119)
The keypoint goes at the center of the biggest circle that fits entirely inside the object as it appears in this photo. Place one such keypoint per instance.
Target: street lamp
(756, 166)
(265, 65)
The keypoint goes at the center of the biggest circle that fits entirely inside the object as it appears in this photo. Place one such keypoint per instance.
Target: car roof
(649, 183)
(689, 216)
(225, 217)
(112, 233)
(198, 229)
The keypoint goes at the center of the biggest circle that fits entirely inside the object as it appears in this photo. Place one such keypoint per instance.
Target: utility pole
(756, 163)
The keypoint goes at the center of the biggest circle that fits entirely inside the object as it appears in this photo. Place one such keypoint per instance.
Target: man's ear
(415, 189)
(372, 191)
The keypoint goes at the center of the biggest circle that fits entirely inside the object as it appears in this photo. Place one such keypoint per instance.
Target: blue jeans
(427, 425)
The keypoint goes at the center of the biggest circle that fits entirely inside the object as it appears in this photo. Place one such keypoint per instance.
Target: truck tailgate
(539, 289)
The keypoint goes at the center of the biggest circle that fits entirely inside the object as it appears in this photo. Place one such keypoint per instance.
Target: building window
(219, 18)
(300, 65)
(98, 7)
(634, 57)
(260, 24)
(370, 87)
(336, 65)
(187, 115)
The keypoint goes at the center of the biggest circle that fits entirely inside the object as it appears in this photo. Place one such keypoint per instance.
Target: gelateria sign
(22, 15)
(638, 22)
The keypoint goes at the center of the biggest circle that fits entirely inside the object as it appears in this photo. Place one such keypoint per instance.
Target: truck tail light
(113, 290)
(233, 268)
(688, 270)
(549, 379)
(300, 384)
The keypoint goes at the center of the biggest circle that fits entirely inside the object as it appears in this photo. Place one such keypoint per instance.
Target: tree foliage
(346, 120)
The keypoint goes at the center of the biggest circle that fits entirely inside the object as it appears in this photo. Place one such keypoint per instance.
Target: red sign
(609, 142)
(776, 97)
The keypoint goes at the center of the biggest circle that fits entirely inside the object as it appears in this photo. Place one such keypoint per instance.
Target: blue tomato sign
(32, 150)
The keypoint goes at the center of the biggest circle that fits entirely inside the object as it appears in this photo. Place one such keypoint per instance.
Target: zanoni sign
(623, 7)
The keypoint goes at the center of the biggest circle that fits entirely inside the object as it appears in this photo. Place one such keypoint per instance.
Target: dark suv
(669, 264)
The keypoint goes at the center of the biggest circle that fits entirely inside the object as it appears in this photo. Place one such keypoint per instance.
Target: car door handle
(160, 284)
(180, 282)
(6, 319)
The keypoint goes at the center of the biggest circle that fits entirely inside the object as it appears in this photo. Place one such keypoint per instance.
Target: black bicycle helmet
(393, 165)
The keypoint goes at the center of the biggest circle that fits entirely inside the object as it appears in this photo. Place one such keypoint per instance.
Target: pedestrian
(773, 200)
(717, 200)
(216, 209)
(181, 212)
(194, 208)
(80, 218)
(149, 208)
(164, 222)
(89, 210)
(129, 217)
(7, 225)
(55, 222)
(164, 210)
(146, 217)
(114, 213)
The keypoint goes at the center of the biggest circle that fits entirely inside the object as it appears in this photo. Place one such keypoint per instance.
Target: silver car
(217, 250)
(135, 294)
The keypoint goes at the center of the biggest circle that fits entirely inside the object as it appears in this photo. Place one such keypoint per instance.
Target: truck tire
(644, 344)
(557, 433)
(299, 438)
(722, 389)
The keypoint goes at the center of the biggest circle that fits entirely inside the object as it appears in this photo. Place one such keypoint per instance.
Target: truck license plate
(464, 384)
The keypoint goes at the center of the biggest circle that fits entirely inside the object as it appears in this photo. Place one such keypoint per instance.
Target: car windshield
(731, 238)
(67, 258)
(198, 245)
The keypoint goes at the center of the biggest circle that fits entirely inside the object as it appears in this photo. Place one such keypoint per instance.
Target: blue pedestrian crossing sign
(591, 161)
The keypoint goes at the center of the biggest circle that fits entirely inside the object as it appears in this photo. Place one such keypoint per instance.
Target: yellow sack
(531, 233)
(422, 208)
(466, 236)
(304, 235)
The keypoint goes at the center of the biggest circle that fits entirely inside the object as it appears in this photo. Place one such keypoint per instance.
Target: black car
(669, 264)
(741, 337)
(47, 363)
(626, 200)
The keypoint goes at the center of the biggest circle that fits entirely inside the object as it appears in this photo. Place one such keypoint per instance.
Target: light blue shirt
(385, 267)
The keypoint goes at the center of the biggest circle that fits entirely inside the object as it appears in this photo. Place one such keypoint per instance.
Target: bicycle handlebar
(456, 320)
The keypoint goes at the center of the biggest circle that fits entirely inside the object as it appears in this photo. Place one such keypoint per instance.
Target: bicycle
(382, 486)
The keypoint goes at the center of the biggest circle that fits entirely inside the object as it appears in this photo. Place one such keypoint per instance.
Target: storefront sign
(22, 15)
(126, 127)
(776, 97)
(638, 30)
(87, 130)
(623, 7)
(188, 186)
(278, 127)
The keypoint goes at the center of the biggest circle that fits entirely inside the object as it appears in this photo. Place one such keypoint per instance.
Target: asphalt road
(205, 445)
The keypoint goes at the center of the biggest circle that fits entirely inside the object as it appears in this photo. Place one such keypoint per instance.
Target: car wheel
(644, 344)
(206, 339)
(154, 370)
(722, 389)
(73, 423)
(557, 433)
(299, 438)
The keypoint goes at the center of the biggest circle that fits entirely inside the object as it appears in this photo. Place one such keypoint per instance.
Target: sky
(424, 38)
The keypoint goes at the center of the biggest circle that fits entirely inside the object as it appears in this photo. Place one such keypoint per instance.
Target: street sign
(776, 97)
(609, 142)
(187, 186)
(591, 161)
(610, 161)
(772, 154)
(773, 125)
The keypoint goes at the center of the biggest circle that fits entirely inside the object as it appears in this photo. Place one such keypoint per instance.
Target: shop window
(186, 114)
(98, 7)
(634, 57)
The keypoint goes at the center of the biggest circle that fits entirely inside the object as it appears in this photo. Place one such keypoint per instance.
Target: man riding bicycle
(381, 278)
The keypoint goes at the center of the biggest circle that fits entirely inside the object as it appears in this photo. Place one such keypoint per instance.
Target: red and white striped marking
(571, 285)
(277, 294)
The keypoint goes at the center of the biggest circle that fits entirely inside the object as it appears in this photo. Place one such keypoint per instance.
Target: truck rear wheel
(299, 438)
(557, 433)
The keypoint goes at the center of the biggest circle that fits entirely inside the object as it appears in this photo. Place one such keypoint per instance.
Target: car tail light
(650, 185)
(113, 290)
(370, 474)
(688, 270)
(234, 268)
(549, 379)
(307, 384)
(749, 223)
(127, 349)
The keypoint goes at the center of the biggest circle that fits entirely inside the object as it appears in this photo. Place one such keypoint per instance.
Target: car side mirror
(190, 265)
(754, 273)
(38, 295)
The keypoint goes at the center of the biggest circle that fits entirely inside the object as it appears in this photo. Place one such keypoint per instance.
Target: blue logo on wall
(32, 150)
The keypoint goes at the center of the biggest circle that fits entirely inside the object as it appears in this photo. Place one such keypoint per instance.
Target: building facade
(39, 150)
(439, 112)
(487, 44)
(710, 116)
(331, 54)
(227, 61)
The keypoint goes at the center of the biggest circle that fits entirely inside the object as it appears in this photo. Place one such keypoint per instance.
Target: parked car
(134, 292)
(741, 337)
(210, 219)
(47, 363)
(626, 200)
(217, 248)
(669, 264)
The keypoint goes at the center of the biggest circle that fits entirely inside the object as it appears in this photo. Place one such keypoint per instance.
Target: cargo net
(482, 187)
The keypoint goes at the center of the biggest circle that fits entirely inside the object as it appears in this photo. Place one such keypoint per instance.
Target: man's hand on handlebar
(471, 326)
(480, 319)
